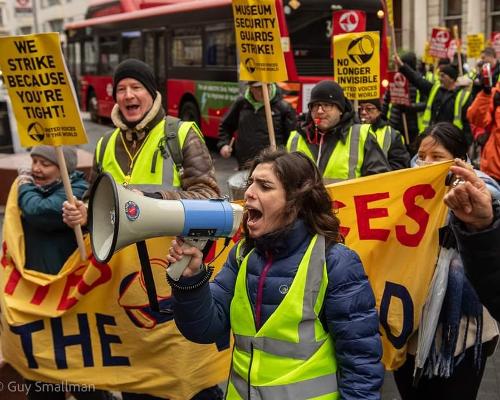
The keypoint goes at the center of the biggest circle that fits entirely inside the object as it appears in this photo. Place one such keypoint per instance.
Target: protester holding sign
(247, 116)
(297, 300)
(413, 111)
(476, 225)
(41, 196)
(466, 334)
(160, 155)
(446, 101)
(328, 132)
(489, 55)
(390, 140)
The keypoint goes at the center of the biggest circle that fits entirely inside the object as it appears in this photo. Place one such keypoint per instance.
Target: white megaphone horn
(120, 217)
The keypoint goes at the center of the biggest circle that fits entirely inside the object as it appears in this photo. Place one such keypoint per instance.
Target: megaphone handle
(176, 269)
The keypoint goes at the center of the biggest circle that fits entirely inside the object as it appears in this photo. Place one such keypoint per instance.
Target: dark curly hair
(306, 196)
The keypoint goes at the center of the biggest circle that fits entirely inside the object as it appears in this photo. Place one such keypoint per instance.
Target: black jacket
(444, 102)
(251, 125)
(480, 252)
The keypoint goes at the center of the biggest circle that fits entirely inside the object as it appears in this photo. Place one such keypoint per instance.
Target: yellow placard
(356, 64)
(41, 91)
(427, 58)
(259, 41)
(475, 44)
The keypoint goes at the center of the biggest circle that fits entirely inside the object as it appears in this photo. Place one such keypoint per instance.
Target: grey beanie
(49, 153)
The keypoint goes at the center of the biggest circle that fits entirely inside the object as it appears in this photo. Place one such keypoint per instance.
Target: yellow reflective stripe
(460, 101)
(301, 351)
(426, 119)
(325, 385)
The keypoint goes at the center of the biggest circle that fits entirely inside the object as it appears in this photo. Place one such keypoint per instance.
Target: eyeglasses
(325, 107)
(367, 108)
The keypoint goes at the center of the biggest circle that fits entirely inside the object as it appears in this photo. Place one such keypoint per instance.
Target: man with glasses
(388, 138)
(340, 148)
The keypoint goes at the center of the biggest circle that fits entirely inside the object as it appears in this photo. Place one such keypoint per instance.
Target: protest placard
(41, 91)
(356, 63)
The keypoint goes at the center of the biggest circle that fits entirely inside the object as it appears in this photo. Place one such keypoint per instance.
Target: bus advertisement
(191, 47)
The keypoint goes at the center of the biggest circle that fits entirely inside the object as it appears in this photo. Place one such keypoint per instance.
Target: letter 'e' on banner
(356, 64)
(41, 91)
(259, 41)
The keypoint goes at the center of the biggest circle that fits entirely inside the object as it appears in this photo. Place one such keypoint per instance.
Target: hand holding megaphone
(185, 258)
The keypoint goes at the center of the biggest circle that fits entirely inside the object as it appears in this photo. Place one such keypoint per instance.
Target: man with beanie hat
(158, 155)
(446, 101)
(329, 131)
(388, 138)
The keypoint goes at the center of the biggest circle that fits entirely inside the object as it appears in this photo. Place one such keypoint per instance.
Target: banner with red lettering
(392, 222)
(91, 324)
(349, 21)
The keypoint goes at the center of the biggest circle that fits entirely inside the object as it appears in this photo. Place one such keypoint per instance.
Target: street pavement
(490, 386)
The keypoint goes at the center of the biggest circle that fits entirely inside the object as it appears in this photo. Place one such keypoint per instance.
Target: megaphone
(120, 217)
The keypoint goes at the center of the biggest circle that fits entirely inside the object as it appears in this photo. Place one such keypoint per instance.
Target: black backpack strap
(172, 126)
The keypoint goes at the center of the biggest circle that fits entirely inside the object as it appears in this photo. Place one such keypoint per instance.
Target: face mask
(422, 163)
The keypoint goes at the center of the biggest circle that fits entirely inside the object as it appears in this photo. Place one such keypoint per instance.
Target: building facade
(414, 19)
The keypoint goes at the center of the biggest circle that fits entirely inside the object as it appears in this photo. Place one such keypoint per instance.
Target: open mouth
(132, 107)
(253, 215)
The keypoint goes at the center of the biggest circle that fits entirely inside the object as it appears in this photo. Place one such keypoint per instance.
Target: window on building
(220, 46)
(453, 14)
(25, 30)
(53, 2)
(187, 47)
(1, 16)
(495, 15)
(56, 25)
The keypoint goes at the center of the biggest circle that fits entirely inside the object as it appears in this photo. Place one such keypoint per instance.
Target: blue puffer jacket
(202, 315)
(48, 240)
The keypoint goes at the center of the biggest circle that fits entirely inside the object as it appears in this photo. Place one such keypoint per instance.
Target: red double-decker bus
(192, 49)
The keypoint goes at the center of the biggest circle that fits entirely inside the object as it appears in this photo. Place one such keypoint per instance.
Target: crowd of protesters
(289, 225)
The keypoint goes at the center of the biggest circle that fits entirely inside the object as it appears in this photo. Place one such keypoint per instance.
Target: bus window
(109, 54)
(154, 54)
(90, 58)
(220, 49)
(131, 45)
(186, 47)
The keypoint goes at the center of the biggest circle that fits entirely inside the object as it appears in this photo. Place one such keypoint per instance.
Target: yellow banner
(390, 13)
(391, 221)
(356, 64)
(259, 41)
(41, 91)
(91, 324)
(475, 44)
